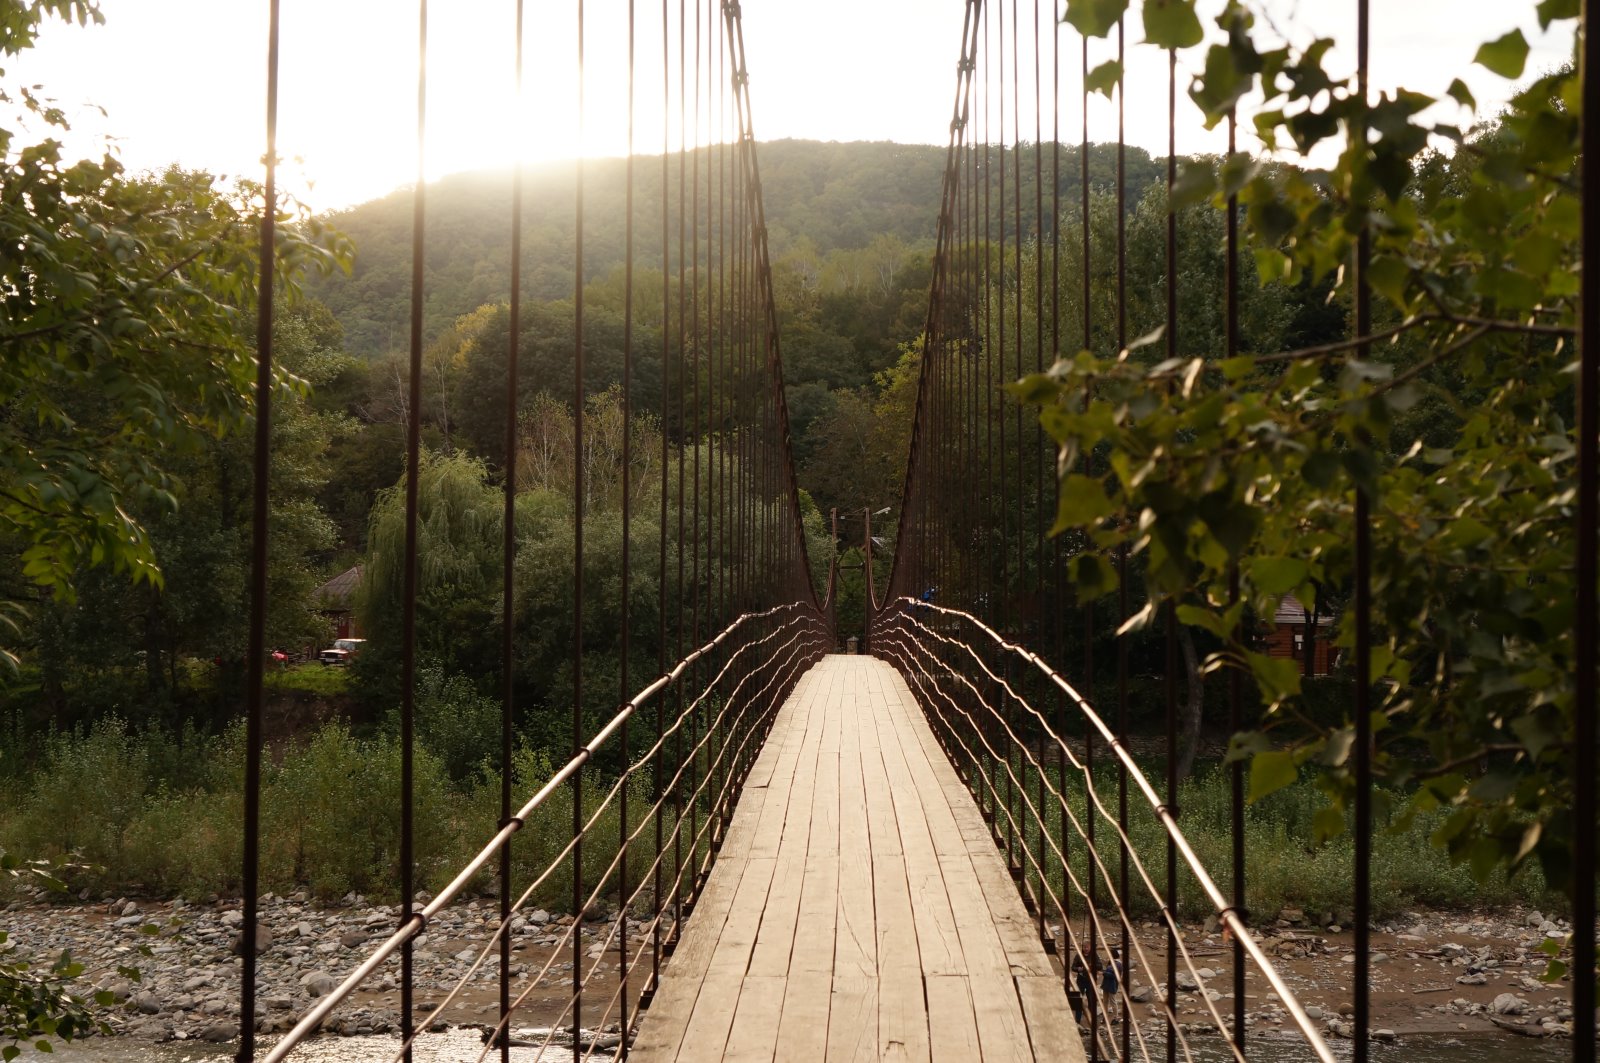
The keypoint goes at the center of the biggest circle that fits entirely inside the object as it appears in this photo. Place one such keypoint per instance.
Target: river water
(463, 1046)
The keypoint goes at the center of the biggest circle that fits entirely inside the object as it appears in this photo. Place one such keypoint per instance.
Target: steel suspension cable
(408, 621)
(509, 554)
(255, 646)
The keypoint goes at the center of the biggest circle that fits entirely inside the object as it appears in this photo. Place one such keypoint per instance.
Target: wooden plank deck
(858, 909)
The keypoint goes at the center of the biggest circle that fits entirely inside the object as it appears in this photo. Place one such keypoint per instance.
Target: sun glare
(831, 69)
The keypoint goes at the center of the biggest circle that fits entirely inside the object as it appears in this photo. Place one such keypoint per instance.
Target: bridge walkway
(858, 909)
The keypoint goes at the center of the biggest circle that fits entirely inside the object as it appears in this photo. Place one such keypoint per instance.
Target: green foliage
(1458, 429)
(330, 813)
(309, 678)
(461, 726)
(125, 341)
(126, 334)
(1286, 863)
(36, 1005)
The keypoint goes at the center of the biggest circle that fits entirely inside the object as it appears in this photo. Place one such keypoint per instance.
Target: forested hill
(820, 197)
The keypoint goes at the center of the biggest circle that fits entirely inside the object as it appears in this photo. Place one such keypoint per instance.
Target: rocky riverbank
(1432, 972)
(187, 959)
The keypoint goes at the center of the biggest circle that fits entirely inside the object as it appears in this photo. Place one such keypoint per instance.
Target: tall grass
(330, 816)
(1283, 868)
(161, 814)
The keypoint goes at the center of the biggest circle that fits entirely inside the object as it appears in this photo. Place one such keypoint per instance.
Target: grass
(152, 817)
(308, 678)
(1282, 866)
(159, 813)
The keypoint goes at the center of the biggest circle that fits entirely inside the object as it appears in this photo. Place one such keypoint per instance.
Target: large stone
(1508, 1004)
(263, 941)
(318, 983)
(219, 1032)
(232, 917)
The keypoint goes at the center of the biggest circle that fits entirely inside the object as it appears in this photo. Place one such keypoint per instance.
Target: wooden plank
(855, 934)
(1002, 1031)
(754, 1037)
(813, 945)
(902, 1008)
(922, 764)
(859, 909)
(952, 1028)
(938, 945)
(902, 1015)
(682, 976)
(1051, 1028)
(662, 1031)
(853, 1020)
(775, 939)
(803, 1028)
(707, 1030)
(1019, 934)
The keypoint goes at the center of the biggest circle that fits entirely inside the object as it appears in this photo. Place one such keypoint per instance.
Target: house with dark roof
(335, 601)
(1292, 629)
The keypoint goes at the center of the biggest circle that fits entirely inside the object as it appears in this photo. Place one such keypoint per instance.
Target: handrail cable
(419, 919)
(1225, 910)
(618, 788)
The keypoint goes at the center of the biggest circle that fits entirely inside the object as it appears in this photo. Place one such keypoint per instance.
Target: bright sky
(183, 80)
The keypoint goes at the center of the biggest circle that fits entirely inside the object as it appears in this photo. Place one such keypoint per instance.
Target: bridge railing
(731, 545)
(706, 720)
(1002, 712)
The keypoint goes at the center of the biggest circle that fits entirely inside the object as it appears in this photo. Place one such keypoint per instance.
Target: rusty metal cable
(255, 645)
(509, 552)
(408, 622)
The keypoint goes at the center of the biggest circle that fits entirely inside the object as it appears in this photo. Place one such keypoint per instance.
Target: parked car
(341, 651)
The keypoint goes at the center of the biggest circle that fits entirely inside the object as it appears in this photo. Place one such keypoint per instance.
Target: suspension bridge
(899, 854)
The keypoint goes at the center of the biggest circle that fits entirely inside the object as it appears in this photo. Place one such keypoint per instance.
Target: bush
(91, 788)
(1282, 866)
(163, 813)
(308, 678)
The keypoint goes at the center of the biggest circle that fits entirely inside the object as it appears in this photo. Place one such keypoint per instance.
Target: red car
(341, 651)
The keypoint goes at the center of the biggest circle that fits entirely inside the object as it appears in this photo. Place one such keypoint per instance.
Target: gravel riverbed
(1433, 973)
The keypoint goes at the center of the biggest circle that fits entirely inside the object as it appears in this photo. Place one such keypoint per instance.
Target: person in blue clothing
(1111, 976)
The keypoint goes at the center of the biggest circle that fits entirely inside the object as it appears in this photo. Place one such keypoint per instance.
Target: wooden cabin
(1290, 632)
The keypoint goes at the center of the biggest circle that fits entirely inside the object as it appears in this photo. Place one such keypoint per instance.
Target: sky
(184, 80)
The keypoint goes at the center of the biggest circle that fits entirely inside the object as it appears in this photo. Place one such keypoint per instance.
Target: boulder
(1508, 1004)
(318, 983)
(263, 941)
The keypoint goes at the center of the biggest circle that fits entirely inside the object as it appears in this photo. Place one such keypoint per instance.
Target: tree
(126, 336)
(126, 341)
(1253, 465)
